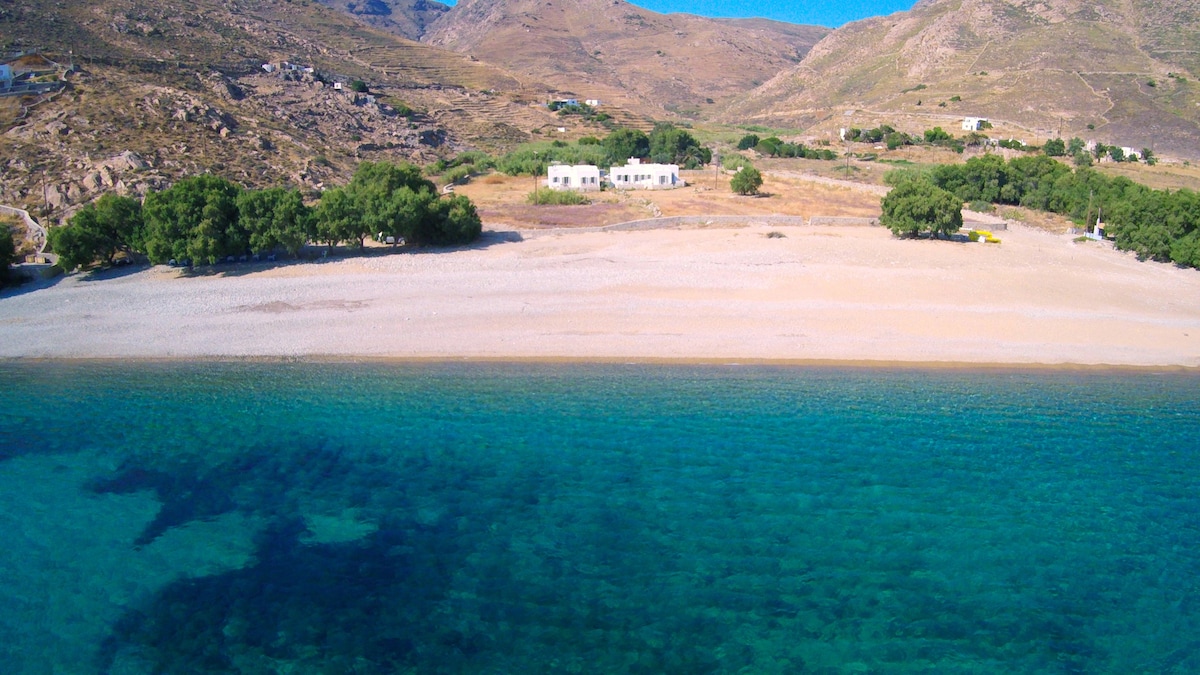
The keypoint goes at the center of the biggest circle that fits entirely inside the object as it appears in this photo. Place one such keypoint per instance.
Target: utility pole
(537, 173)
(716, 170)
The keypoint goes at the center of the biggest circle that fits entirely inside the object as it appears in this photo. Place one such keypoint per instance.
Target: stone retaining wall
(36, 232)
(842, 220)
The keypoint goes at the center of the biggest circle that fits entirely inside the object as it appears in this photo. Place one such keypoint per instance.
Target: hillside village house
(6, 76)
(636, 175)
(584, 177)
(974, 123)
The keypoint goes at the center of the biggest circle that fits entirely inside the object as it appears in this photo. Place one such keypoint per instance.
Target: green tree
(747, 181)
(1116, 153)
(937, 135)
(1148, 156)
(1055, 147)
(338, 219)
(672, 145)
(195, 219)
(393, 198)
(748, 141)
(896, 139)
(1075, 146)
(449, 222)
(625, 143)
(275, 217)
(768, 146)
(98, 231)
(8, 252)
(918, 206)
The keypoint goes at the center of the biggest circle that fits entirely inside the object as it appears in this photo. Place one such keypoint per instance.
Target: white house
(636, 175)
(585, 177)
(1131, 152)
(974, 123)
(6, 75)
(592, 102)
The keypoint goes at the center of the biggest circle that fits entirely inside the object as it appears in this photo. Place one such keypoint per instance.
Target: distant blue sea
(488, 518)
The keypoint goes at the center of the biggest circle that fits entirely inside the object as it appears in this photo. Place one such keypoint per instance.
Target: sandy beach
(818, 293)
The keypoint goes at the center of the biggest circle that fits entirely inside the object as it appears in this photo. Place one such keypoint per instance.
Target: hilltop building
(636, 175)
(584, 177)
(974, 123)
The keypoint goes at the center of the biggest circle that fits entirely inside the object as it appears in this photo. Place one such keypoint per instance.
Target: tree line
(206, 218)
(665, 144)
(773, 146)
(1161, 225)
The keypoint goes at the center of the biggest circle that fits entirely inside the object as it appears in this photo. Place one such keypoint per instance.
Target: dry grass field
(501, 201)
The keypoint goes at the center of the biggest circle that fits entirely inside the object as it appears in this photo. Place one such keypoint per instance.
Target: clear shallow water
(333, 518)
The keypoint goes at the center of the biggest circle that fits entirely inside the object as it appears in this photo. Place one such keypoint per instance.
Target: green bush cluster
(206, 218)
(1156, 224)
(774, 147)
(475, 161)
(557, 198)
(666, 144)
(734, 162)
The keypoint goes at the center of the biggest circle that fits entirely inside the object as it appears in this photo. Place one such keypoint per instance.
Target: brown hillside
(407, 18)
(1128, 68)
(157, 91)
(616, 52)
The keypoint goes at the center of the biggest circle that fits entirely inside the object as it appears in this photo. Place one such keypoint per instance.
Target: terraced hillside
(1120, 71)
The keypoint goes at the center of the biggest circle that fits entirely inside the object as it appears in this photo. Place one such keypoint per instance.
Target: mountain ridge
(610, 49)
(1048, 66)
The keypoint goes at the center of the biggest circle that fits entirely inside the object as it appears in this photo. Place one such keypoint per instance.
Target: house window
(662, 180)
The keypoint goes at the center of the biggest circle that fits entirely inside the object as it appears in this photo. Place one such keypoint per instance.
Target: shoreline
(666, 362)
(817, 296)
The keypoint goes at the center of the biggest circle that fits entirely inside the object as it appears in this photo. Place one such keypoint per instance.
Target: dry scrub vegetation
(501, 201)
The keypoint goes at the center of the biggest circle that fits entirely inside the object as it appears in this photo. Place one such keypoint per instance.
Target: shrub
(748, 141)
(735, 162)
(747, 181)
(557, 198)
(457, 174)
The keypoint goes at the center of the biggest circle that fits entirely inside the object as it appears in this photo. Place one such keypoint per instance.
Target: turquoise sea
(488, 518)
